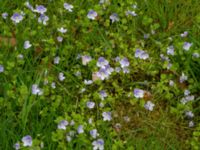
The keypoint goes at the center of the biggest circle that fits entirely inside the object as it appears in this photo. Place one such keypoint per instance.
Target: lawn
(100, 74)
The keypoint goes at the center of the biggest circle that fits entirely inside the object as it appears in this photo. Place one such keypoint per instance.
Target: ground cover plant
(100, 74)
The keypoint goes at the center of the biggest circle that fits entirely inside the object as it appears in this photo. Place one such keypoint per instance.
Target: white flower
(186, 46)
(92, 14)
(61, 76)
(62, 124)
(149, 106)
(27, 140)
(62, 30)
(107, 116)
(36, 90)
(88, 82)
(98, 144)
(68, 7)
(86, 59)
(80, 129)
(183, 78)
(27, 45)
(90, 104)
(138, 93)
(56, 60)
(94, 133)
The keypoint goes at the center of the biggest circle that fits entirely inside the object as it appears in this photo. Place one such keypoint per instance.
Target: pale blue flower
(4, 15)
(107, 116)
(183, 78)
(189, 114)
(56, 60)
(90, 104)
(132, 13)
(195, 55)
(80, 129)
(98, 144)
(187, 92)
(1, 68)
(124, 62)
(102, 62)
(36, 90)
(92, 14)
(138, 93)
(187, 99)
(68, 138)
(16, 18)
(72, 123)
(62, 30)
(29, 6)
(94, 133)
(20, 56)
(62, 124)
(109, 69)
(186, 46)
(114, 17)
(90, 120)
(146, 36)
(53, 85)
(164, 58)
(141, 54)
(68, 7)
(27, 44)
(103, 94)
(170, 50)
(126, 70)
(16, 146)
(86, 59)
(149, 106)
(171, 83)
(184, 34)
(61, 76)
(117, 69)
(40, 9)
(43, 19)
(102, 74)
(59, 39)
(27, 140)
(88, 82)
(191, 124)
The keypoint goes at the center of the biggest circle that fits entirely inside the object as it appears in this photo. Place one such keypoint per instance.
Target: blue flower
(61, 76)
(92, 14)
(16, 18)
(80, 129)
(28, 5)
(27, 45)
(43, 19)
(16, 146)
(170, 50)
(102, 74)
(138, 93)
(4, 15)
(107, 116)
(141, 54)
(195, 55)
(40, 9)
(56, 60)
(62, 30)
(124, 62)
(94, 133)
(86, 59)
(59, 39)
(103, 94)
(27, 140)
(1, 68)
(36, 90)
(184, 34)
(62, 124)
(149, 106)
(98, 144)
(90, 104)
(114, 17)
(68, 7)
(102, 62)
(132, 13)
(189, 114)
(186, 46)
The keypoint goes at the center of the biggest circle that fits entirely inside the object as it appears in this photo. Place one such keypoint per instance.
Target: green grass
(22, 113)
